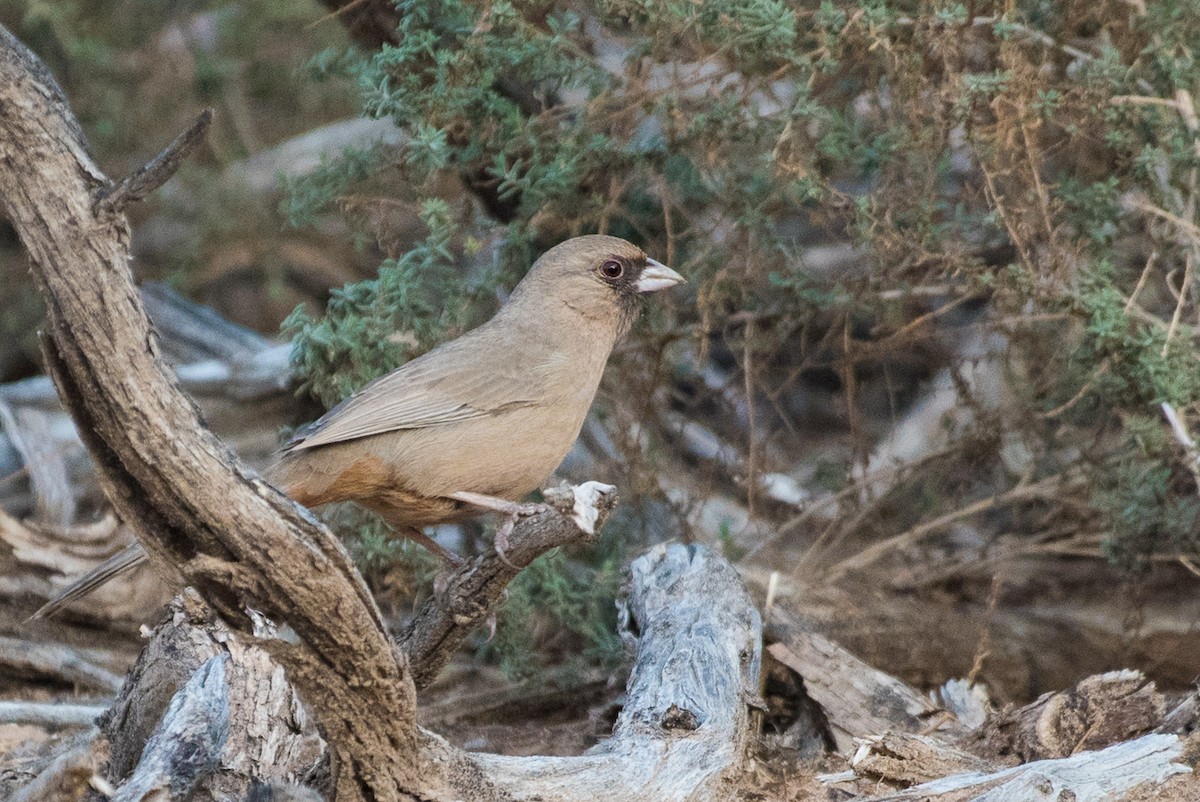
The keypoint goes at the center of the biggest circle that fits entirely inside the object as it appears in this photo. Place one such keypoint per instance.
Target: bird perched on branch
(478, 422)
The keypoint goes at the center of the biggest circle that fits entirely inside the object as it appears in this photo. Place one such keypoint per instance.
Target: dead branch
(56, 663)
(472, 592)
(67, 777)
(49, 714)
(187, 742)
(156, 172)
(1104, 776)
(211, 356)
(1099, 711)
(859, 701)
(240, 542)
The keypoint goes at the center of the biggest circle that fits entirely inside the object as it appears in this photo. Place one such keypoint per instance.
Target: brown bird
(478, 422)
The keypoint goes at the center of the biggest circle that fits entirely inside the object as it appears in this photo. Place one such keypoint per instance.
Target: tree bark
(193, 505)
(246, 547)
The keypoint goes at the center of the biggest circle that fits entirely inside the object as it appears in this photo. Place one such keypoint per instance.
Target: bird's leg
(511, 509)
(417, 535)
(450, 559)
(495, 504)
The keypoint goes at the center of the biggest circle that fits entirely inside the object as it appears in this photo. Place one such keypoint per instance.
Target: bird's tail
(279, 474)
(123, 561)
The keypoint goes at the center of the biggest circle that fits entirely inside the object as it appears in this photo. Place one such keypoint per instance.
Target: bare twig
(876, 552)
(157, 171)
(470, 594)
(1184, 438)
(49, 714)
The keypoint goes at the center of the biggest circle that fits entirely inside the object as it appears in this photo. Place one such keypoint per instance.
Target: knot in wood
(679, 718)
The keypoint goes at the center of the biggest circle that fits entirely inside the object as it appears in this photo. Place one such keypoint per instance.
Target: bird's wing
(446, 385)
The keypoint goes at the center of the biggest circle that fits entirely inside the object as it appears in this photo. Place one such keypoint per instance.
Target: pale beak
(657, 276)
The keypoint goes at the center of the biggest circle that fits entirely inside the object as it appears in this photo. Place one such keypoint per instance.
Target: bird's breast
(507, 455)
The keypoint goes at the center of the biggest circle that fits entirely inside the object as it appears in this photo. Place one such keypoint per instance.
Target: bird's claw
(441, 584)
(500, 540)
(531, 509)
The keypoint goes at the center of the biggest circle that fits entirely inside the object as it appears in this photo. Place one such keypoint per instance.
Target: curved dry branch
(244, 546)
(237, 540)
(471, 593)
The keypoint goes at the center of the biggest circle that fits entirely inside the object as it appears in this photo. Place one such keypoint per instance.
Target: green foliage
(1035, 154)
(373, 327)
(563, 608)
(1145, 514)
(311, 194)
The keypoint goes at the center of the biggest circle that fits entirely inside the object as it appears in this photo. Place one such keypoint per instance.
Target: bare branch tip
(145, 180)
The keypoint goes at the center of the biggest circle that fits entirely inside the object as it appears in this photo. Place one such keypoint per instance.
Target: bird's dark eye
(612, 269)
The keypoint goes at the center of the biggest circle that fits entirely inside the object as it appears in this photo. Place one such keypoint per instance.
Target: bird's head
(598, 276)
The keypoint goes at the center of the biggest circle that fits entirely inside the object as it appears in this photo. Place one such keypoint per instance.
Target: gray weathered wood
(185, 746)
(1102, 776)
(860, 701)
(50, 714)
(685, 726)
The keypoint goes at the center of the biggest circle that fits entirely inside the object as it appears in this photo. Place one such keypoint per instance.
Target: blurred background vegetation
(940, 256)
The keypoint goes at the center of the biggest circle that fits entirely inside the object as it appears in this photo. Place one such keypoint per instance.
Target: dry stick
(876, 552)
(1141, 282)
(855, 488)
(66, 779)
(471, 593)
(50, 714)
(1080, 394)
(56, 662)
(1180, 302)
(156, 172)
(752, 427)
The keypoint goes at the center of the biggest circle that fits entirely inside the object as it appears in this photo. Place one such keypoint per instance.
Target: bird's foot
(513, 509)
(513, 512)
(500, 541)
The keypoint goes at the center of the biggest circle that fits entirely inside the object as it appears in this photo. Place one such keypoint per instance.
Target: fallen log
(1107, 775)
(682, 734)
(1098, 711)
